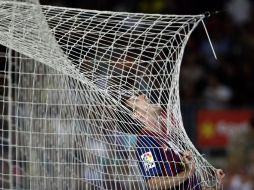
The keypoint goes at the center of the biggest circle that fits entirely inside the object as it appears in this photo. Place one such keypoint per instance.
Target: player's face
(138, 103)
(142, 104)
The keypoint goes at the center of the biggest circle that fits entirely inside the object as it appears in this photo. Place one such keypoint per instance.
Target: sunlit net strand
(60, 133)
(61, 63)
(54, 132)
(22, 20)
(23, 1)
(21, 37)
(58, 148)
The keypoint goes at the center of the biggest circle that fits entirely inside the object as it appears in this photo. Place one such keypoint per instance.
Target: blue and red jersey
(158, 158)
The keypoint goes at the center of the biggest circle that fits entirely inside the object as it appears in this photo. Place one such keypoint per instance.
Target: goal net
(65, 76)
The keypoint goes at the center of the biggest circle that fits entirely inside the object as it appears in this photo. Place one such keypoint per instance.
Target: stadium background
(216, 95)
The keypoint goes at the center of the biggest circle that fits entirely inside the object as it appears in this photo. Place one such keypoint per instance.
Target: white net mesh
(69, 73)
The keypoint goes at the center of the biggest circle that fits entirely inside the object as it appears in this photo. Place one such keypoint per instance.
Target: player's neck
(152, 123)
(151, 114)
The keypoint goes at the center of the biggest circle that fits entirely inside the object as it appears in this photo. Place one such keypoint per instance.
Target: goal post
(71, 69)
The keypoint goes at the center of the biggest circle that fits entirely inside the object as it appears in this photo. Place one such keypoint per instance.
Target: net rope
(72, 70)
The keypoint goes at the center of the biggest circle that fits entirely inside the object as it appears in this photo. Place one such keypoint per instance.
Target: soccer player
(162, 165)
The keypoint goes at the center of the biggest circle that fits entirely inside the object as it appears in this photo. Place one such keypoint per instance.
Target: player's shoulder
(143, 139)
(148, 138)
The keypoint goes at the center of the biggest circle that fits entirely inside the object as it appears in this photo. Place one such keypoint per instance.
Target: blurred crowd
(240, 161)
